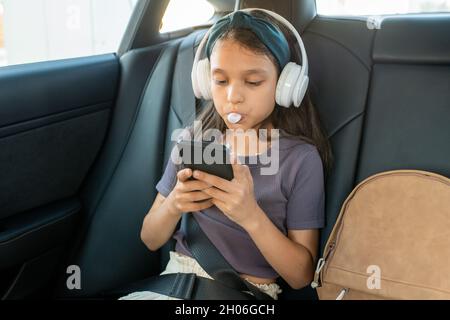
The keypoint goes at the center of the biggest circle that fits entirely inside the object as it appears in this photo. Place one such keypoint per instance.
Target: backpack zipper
(342, 294)
(320, 264)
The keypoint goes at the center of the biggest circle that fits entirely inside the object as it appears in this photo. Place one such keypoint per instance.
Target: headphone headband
(268, 33)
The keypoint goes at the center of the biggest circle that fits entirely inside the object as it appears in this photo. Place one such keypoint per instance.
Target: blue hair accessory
(270, 35)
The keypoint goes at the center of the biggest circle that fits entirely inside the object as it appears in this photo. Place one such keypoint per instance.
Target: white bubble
(234, 117)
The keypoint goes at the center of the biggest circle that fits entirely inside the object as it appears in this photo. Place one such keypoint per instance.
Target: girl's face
(242, 82)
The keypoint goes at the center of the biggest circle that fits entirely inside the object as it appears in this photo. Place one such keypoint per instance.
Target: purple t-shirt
(293, 198)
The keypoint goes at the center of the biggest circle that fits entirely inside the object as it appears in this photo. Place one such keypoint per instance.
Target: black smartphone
(206, 156)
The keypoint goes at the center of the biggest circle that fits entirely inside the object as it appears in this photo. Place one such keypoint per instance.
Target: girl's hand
(235, 198)
(186, 192)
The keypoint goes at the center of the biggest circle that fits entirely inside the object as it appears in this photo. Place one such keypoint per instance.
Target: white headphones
(292, 83)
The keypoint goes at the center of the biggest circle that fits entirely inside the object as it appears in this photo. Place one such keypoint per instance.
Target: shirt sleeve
(306, 202)
(169, 177)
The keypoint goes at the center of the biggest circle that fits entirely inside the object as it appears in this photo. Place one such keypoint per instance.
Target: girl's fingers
(214, 192)
(240, 170)
(194, 185)
(184, 174)
(198, 206)
(194, 196)
(213, 180)
(219, 204)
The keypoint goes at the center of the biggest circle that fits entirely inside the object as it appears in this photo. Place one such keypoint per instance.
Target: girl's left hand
(235, 198)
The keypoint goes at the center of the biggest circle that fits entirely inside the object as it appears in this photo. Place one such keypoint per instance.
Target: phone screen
(206, 156)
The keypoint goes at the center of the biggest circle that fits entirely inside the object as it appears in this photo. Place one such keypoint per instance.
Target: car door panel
(54, 117)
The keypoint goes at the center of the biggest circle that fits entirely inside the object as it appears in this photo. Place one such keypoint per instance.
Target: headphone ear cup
(300, 91)
(287, 84)
(194, 79)
(204, 79)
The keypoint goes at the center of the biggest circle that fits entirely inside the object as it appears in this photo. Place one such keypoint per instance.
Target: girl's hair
(302, 122)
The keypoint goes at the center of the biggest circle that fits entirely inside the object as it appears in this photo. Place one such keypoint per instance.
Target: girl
(266, 226)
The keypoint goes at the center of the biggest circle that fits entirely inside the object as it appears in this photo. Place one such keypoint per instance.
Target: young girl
(265, 226)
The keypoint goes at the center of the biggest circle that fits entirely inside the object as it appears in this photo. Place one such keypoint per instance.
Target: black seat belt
(212, 261)
(201, 247)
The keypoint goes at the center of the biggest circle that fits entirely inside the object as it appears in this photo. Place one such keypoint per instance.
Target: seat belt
(183, 100)
(212, 261)
(201, 247)
(185, 286)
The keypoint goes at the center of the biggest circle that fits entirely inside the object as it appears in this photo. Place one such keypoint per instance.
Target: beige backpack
(390, 241)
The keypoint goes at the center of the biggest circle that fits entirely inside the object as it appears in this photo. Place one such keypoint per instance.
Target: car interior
(84, 141)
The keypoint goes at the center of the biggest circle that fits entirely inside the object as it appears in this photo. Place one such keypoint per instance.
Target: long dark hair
(302, 122)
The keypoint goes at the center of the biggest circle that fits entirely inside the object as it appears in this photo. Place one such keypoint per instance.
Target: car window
(380, 7)
(32, 31)
(176, 17)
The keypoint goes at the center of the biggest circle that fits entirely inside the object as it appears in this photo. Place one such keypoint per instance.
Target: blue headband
(270, 35)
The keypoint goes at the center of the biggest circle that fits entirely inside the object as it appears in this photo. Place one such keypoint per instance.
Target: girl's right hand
(186, 192)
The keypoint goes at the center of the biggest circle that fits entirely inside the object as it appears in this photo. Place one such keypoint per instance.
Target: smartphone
(206, 156)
